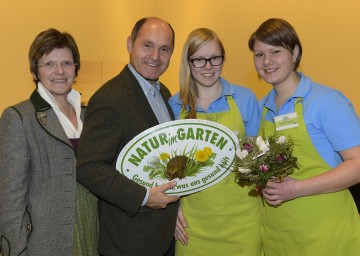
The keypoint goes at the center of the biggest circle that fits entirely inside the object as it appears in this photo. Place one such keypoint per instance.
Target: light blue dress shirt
(153, 95)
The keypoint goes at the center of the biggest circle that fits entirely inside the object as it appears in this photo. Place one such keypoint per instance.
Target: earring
(294, 60)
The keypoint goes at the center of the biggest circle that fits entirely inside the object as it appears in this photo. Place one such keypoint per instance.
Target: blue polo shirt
(330, 118)
(244, 98)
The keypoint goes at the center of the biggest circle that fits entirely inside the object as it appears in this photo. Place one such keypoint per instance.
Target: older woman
(38, 141)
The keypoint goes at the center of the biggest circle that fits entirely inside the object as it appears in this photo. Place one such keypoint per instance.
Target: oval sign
(197, 153)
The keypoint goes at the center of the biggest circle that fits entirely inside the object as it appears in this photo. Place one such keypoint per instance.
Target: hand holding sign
(197, 153)
(157, 197)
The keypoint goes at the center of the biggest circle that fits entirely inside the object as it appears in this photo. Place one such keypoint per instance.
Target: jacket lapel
(47, 118)
(166, 95)
(139, 98)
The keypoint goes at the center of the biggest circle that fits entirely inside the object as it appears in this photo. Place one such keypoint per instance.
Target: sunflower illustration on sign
(179, 165)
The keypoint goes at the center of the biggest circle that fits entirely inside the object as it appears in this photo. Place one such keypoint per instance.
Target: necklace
(69, 111)
(72, 116)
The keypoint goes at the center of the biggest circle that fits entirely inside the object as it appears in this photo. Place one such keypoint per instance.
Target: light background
(329, 32)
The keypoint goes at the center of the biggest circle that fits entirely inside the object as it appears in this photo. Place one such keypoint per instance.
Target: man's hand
(157, 197)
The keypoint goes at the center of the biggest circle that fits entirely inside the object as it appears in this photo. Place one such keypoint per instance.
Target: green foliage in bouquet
(263, 159)
(179, 165)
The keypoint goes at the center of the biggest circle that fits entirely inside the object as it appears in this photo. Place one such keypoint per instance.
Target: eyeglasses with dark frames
(201, 62)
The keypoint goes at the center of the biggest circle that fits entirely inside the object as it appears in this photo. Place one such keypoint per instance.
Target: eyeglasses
(53, 65)
(201, 62)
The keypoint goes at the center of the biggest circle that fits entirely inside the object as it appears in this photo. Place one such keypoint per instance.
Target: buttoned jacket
(37, 181)
(116, 113)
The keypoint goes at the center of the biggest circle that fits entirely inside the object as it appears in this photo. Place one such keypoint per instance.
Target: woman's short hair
(277, 32)
(47, 41)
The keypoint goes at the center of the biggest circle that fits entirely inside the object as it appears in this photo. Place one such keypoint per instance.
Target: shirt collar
(149, 89)
(73, 97)
(227, 90)
(304, 86)
(303, 89)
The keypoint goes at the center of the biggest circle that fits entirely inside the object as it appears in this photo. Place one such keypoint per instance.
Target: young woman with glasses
(225, 218)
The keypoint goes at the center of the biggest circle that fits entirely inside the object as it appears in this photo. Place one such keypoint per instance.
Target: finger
(168, 185)
(172, 198)
(271, 197)
(183, 238)
(274, 202)
(271, 184)
(268, 192)
(180, 230)
(181, 241)
(181, 218)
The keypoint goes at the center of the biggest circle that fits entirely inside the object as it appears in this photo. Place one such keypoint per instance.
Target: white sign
(197, 153)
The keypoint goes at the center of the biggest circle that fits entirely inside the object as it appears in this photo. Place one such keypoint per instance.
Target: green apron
(224, 219)
(317, 225)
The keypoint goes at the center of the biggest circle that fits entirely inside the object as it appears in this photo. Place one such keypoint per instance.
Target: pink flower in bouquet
(280, 158)
(264, 168)
(248, 147)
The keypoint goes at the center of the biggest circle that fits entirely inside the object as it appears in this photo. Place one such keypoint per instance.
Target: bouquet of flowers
(263, 159)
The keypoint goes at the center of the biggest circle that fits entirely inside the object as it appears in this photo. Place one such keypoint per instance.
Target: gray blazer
(37, 181)
(116, 113)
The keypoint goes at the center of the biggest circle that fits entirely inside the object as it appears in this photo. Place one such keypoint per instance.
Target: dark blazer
(37, 181)
(116, 113)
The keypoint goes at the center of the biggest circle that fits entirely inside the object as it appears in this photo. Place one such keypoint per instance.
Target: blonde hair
(188, 91)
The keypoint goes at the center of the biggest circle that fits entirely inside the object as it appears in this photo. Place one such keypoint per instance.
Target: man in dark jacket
(133, 220)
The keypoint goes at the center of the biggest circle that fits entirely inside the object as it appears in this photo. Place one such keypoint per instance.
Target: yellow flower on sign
(208, 150)
(201, 155)
(180, 163)
(164, 156)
